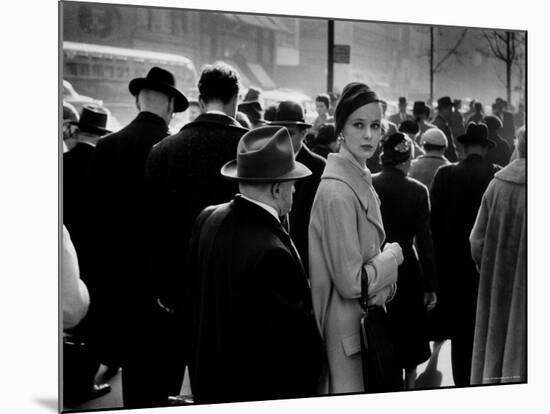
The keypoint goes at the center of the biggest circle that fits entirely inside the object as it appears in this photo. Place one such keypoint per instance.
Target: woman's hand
(396, 250)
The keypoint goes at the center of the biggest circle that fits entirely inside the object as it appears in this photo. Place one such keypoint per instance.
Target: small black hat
(161, 80)
(419, 108)
(93, 120)
(476, 134)
(290, 113)
(402, 100)
(354, 95)
(397, 148)
(444, 102)
(493, 123)
(408, 127)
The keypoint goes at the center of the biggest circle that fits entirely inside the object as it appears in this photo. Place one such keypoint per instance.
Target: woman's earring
(341, 137)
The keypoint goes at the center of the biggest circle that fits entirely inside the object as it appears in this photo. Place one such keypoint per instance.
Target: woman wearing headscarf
(405, 210)
(346, 236)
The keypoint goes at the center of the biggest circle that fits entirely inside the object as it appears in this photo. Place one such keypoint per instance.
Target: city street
(434, 373)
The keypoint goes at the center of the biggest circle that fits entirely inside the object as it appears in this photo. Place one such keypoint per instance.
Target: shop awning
(265, 22)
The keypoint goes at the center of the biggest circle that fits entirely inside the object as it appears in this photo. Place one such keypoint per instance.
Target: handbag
(381, 372)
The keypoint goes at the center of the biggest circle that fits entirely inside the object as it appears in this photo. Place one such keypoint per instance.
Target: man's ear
(276, 190)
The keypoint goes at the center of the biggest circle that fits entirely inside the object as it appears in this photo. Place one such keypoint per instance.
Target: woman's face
(362, 131)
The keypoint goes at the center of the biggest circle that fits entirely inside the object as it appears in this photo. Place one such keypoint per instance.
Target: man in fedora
(254, 336)
(456, 120)
(88, 128)
(402, 114)
(290, 114)
(455, 198)
(131, 321)
(421, 114)
(254, 112)
(441, 121)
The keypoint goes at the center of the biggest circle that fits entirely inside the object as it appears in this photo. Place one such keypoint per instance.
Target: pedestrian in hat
(421, 114)
(456, 120)
(423, 168)
(498, 245)
(128, 324)
(402, 114)
(253, 332)
(290, 114)
(253, 110)
(411, 129)
(477, 115)
(455, 198)
(441, 121)
(405, 212)
(500, 154)
(500, 110)
(346, 235)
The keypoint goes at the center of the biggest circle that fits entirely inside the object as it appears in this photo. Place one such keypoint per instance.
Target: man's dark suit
(455, 198)
(254, 336)
(303, 200)
(131, 326)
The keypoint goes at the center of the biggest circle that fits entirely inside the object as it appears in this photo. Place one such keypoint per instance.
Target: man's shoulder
(313, 161)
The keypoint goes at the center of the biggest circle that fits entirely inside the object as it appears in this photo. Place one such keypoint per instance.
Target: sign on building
(341, 53)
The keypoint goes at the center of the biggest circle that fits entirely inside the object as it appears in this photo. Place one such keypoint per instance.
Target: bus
(103, 72)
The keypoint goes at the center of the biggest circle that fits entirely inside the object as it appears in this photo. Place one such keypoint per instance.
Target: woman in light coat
(345, 239)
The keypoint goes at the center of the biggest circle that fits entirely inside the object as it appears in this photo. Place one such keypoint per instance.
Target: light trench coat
(345, 236)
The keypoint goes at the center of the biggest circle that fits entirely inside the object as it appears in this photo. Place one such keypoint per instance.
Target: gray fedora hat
(265, 155)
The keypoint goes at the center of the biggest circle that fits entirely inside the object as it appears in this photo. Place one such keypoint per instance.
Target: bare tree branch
(451, 52)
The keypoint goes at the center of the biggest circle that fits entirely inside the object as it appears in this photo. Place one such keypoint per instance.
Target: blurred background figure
(405, 207)
(388, 128)
(498, 245)
(477, 115)
(456, 120)
(499, 154)
(500, 110)
(326, 141)
(254, 112)
(424, 167)
(470, 111)
(410, 128)
(402, 115)
(519, 116)
(322, 106)
(270, 112)
(69, 115)
(441, 121)
(78, 360)
(421, 114)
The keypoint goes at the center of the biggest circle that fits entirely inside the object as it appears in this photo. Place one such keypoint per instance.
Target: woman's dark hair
(219, 81)
(324, 99)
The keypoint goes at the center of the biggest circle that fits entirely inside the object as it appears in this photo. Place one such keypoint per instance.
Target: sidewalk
(434, 373)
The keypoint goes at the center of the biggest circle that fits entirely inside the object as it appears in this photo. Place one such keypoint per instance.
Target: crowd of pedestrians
(238, 247)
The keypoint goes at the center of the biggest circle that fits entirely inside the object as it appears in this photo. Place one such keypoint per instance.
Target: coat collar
(343, 167)
(215, 118)
(151, 118)
(254, 211)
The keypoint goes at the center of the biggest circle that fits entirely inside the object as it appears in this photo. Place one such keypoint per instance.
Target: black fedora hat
(476, 134)
(444, 102)
(265, 155)
(161, 80)
(419, 107)
(252, 109)
(408, 127)
(93, 120)
(290, 113)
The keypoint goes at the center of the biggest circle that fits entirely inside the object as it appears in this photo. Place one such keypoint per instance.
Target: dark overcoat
(303, 200)
(254, 335)
(443, 125)
(455, 199)
(500, 154)
(76, 203)
(183, 177)
(405, 208)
